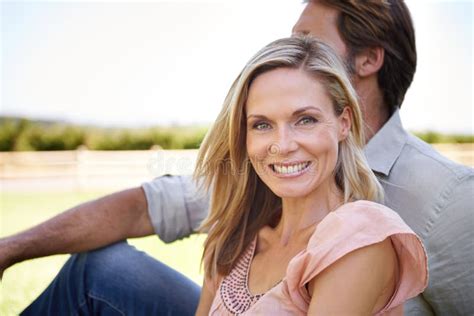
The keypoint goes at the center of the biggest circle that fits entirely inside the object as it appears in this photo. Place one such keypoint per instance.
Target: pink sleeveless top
(351, 226)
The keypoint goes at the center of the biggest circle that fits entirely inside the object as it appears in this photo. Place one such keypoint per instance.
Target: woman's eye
(261, 126)
(307, 120)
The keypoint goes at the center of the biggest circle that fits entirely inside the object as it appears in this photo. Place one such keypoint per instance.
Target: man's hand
(85, 227)
(6, 256)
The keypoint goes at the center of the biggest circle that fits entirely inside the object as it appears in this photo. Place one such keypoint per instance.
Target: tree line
(20, 134)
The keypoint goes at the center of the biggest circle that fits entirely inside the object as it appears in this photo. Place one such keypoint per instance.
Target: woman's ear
(345, 123)
(369, 61)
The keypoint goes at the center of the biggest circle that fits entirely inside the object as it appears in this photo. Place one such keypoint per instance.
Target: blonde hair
(241, 204)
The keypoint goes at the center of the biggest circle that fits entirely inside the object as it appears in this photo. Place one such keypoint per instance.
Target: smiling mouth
(290, 168)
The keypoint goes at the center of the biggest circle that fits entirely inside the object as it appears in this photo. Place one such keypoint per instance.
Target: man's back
(434, 196)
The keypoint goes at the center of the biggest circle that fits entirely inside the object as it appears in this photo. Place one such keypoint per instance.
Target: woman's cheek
(256, 149)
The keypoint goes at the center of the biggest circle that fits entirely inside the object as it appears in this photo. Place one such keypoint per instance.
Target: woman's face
(293, 132)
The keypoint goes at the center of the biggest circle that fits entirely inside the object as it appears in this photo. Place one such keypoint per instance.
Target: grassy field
(23, 282)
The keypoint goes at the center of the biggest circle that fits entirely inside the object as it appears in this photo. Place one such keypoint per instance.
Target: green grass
(23, 282)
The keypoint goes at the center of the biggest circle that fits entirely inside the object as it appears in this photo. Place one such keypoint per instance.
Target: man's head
(382, 29)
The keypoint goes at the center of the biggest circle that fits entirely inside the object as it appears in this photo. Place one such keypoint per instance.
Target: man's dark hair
(386, 24)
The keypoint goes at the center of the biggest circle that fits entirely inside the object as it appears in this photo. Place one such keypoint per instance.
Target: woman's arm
(207, 296)
(360, 283)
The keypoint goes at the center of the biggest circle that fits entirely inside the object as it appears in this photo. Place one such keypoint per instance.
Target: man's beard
(349, 64)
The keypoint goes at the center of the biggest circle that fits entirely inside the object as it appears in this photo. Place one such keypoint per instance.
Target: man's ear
(345, 123)
(369, 61)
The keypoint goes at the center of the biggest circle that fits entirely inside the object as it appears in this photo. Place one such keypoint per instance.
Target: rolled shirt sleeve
(176, 206)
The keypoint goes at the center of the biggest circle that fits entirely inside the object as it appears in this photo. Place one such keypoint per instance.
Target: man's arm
(85, 227)
(177, 206)
(450, 245)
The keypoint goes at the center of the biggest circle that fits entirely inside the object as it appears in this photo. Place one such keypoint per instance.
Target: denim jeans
(116, 280)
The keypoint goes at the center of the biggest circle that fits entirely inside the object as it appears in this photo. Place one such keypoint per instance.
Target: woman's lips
(289, 169)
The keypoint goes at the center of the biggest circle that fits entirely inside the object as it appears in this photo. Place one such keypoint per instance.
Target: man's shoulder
(421, 158)
(422, 183)
(399, 156)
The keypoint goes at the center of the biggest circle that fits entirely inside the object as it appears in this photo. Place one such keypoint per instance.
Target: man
(432, 194)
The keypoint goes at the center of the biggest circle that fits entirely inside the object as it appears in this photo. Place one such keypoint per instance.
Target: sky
(128, 63)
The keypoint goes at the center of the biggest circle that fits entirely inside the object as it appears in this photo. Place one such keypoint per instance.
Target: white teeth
(290, 169)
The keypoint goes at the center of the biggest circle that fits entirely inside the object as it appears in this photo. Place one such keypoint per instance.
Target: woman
(297, 230)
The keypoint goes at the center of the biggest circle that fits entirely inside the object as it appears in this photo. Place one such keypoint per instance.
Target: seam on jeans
(81, 304)
(106, 302)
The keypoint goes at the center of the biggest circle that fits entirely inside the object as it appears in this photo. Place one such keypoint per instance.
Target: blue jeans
(116, 280)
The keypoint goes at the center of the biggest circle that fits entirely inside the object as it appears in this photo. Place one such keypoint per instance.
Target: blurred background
(148, 63)
(81, 80)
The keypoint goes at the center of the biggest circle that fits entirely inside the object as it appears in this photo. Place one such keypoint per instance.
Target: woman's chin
(291, 192)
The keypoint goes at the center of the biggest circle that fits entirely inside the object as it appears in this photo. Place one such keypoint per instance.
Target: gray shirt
(431, 193)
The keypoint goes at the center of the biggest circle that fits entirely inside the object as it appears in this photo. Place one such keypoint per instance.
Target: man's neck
(375, 120)
(376, 113)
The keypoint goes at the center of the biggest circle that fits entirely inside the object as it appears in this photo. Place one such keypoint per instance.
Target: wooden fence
(85, 170)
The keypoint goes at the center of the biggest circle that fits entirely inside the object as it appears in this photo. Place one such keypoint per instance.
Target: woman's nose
(284, 143)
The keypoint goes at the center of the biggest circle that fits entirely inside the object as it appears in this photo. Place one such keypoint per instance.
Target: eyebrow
(295, 113)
